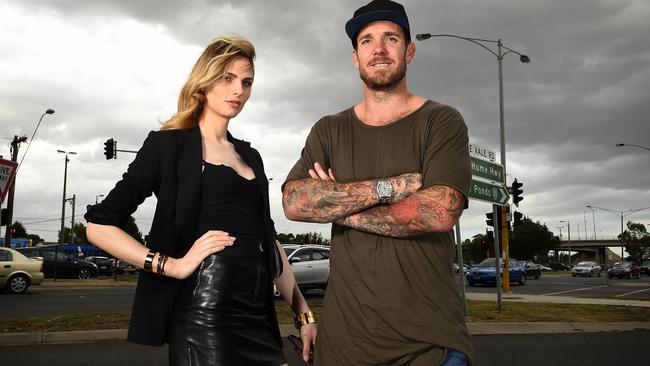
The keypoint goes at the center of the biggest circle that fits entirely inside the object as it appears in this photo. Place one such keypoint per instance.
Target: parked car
(310, 265)
(557, 266)
(126, 267)
(645, 267)
(485, 272)
(66, 265)
(457, 268)
(586, 269)
(533, 270)
(18, 272)
(624, 270)
(545, 268)
(105, 265)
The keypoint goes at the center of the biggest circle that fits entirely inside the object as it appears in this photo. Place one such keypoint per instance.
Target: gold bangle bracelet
(148, 261)
(304, 319)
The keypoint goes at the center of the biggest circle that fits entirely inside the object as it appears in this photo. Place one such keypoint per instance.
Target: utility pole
(15, 144)
(73, 200)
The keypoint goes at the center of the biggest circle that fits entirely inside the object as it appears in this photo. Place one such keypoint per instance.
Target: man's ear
(410, 52)
(355, 59)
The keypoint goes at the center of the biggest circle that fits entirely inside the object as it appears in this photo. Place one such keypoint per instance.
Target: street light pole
(65, 180)
(14, 157)
(593, 219)
(621, 214)
(639, 146)
(568, 225)
(499, 55)
(48, 111)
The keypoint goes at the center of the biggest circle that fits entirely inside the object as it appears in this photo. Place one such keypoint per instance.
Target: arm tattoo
(434, 209)
(316, 200)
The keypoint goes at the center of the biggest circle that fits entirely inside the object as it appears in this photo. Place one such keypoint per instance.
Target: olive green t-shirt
(391, 301)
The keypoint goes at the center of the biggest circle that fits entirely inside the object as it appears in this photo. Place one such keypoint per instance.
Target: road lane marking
(633, 292)
(580, 289)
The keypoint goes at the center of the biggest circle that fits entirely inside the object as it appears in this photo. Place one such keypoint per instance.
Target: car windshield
(490, 263)
(585, 264)
(288, 251)
(487, 263)
(621, 265)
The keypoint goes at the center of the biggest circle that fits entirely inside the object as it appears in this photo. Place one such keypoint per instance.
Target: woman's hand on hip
(211, 242)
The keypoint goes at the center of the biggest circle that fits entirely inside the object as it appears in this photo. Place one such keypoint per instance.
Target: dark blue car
(486, 271)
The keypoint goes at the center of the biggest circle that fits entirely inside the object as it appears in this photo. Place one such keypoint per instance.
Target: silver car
(586, 269)
(310, 265)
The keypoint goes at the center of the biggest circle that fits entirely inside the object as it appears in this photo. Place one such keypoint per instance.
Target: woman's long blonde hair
(209, 68)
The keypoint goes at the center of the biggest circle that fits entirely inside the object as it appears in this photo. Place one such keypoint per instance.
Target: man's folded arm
(322, 200)
(433, 209)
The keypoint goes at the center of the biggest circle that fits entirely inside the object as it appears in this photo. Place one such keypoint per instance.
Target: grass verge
(478, 312)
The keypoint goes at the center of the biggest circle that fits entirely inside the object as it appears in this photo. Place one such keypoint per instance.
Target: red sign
(7, 173)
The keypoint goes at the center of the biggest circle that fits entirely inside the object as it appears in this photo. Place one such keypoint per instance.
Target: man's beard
(382, 81)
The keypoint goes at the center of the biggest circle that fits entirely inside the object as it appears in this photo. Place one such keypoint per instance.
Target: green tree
(473, 251)
(285, 238)
(132, 229)
(79, 234)
(34, 238)
(20, 231)
(304, 238)
(637, 241)
(531, 240)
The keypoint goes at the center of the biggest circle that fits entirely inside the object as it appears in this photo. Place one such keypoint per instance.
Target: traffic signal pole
(15, 144)
(497, 233)
(506, 256)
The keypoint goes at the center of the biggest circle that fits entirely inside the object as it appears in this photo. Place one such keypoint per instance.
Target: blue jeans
(454, 358)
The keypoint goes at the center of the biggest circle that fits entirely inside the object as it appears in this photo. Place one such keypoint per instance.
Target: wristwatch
(384, 190)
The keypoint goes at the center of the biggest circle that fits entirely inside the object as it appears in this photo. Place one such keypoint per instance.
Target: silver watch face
(384, 189)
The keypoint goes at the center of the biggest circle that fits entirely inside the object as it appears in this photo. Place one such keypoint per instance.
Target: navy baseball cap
(374, 11)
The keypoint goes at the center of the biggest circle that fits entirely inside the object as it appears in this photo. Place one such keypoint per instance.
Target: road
(622, 348)
(565, 285)
(41, 301)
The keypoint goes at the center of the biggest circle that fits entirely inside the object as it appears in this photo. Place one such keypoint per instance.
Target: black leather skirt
(225, 314)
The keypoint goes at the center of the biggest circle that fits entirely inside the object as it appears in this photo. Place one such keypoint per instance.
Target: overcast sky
(113, 69)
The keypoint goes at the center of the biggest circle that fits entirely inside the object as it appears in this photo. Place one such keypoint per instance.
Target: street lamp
(499, 55)
(593, 219)
(639, 146)
(97, 198)
(48, 111)
(65, 180)
(621, 214)
(12, 189)
(568, 225)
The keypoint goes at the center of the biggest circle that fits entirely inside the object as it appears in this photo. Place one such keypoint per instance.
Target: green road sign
(488, 170)
(491, 193)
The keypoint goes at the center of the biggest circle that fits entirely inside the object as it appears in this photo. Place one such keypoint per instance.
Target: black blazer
(169, 165)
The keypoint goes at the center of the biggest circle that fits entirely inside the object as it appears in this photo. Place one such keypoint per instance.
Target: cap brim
(354, 25)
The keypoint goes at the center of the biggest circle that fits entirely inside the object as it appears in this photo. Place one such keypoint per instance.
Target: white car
(310, 265)
(586, 269)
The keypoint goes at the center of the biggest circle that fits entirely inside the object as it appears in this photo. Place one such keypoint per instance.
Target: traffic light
(484, 244)
(109, 149)
(517, 220)
(490, 238)
(491, 219)
(516, 192)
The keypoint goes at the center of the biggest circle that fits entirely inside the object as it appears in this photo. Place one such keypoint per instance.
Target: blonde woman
(209, 265)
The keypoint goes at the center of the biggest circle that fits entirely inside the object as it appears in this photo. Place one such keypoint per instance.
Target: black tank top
(233, 204)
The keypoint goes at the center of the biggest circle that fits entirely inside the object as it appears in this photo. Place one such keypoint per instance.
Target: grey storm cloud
(114, 68)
